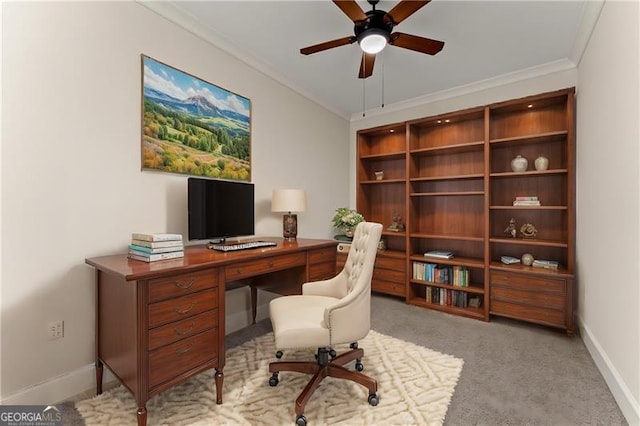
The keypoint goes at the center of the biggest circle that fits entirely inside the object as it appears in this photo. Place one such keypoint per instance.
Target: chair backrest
(350, 319)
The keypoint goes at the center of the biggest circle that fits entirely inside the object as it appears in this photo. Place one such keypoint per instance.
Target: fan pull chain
(363, 97)
(382, 57)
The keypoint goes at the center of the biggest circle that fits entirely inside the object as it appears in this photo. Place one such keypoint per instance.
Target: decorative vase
(541, 163)
(349, 233)
(519, 164)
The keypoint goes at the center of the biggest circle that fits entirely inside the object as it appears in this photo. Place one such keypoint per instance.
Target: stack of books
(546, 264)
(439, 254)
(509, 260)
(156, 246)
(527, 201)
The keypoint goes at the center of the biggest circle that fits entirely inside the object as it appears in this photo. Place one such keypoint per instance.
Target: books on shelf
(509, 260)
(546, 264)
(441, 254)
(457, 276)
(526, 201)
(154, 247)
(159, 236)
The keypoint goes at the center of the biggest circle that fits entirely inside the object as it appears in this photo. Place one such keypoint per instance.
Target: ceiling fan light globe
(373, 40)
(373, 43)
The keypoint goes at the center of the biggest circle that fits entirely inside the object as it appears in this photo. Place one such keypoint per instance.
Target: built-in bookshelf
(450, 178)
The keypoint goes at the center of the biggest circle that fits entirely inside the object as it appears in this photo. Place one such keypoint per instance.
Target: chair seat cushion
(298, 321)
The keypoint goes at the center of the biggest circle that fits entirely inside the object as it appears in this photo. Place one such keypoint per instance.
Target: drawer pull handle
(184, 311)
(184, 286)
(183, 332)
(185, 350)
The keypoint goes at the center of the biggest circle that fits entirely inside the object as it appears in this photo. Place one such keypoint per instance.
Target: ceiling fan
(373, 32)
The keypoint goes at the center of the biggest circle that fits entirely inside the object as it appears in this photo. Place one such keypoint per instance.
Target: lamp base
(290, 226)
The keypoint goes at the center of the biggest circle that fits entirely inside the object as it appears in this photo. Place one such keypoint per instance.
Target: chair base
(322, 368)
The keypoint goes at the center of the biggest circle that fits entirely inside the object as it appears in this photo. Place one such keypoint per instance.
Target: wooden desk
(160, 323)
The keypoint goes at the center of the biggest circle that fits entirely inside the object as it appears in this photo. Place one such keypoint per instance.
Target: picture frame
(191, 126)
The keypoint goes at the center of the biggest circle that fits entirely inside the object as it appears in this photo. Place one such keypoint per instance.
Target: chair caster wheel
(373, 399)
(359, 366)
(273, 380)
(333, 353)
(354, 345)
(279, 354)
(301, 420)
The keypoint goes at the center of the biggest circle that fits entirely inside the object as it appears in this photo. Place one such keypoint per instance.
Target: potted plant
(346, 220)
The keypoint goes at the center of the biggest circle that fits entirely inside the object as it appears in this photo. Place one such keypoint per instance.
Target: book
(526, 198)
(527, 203)
(151, 250)
(157, 244)
(156, 236)
(547, 264)
(439, 254)
(148, 257)
(509, 260)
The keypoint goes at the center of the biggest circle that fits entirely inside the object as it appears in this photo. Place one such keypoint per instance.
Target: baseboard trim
(628, 405)
(59, 389)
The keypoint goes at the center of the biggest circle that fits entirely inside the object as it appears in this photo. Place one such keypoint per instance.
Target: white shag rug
(415, 386)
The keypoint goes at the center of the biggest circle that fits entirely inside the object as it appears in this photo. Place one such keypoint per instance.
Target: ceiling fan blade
(327, 45)
(418, 44)
(404, 9)
(366, 65)
(351, 9)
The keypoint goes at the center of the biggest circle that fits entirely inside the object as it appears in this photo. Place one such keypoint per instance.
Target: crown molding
(588, 20)
(501, 80)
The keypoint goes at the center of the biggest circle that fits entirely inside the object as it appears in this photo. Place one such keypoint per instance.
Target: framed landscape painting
(193, 127)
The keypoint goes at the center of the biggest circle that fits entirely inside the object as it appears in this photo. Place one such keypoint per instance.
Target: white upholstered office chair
(329, 313)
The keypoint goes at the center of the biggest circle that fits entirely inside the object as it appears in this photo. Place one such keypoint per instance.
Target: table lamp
(289, 200)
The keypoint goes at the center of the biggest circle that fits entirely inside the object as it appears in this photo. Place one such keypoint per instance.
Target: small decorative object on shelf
(511, 229)
(439, 254)
(527, 259)
(528, 231)
(346, 220)
(397, 225)
(546, 264)
(382, 245)
(541, 163)
(519, 164)
(509, 260)
(379, 175)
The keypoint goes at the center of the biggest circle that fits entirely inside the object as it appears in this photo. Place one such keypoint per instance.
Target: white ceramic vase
(519, 164)
(542, 163)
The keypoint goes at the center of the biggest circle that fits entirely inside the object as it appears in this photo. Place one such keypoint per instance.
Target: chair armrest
(333, 287)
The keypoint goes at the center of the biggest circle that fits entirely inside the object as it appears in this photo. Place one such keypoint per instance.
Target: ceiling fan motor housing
(377, 22)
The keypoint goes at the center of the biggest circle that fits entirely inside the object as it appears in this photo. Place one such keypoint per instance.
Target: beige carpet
(415, 386)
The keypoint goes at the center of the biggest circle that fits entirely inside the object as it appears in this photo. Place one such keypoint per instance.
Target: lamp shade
(288, 200)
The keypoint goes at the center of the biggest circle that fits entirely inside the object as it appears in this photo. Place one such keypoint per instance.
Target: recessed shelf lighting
(447, 121)
(391, 130)
(530, 106)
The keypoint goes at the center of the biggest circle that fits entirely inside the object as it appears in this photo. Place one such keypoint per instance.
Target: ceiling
(484, 41)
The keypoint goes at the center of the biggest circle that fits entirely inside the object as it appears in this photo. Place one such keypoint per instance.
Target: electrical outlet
(56, 329)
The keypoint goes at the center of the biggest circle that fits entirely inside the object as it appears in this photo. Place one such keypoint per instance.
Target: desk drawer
(182, 307)
(179, 285)
(323, 255)
(170, 361)
(263, 266)
(175, 331)
(535, 298)
(322, 271)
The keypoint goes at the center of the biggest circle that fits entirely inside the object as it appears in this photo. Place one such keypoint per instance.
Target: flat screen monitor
(220, 209)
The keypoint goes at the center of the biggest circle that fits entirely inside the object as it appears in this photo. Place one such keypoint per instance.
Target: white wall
(71, 181)
(608, 198)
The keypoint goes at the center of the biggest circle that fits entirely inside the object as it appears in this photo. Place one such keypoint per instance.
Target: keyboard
(242, 246)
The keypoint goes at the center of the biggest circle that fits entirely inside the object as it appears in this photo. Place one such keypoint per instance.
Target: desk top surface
(199, 257)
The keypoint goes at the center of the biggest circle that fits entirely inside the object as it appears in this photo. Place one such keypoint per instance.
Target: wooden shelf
(470, 289)
(455, 148)
(445, 194)
(534, 138)
(499, 266)
(528, 207)
(448, 237)
(529, 173)
(462, 261)
(529, 242)
(384, 156)
(451, 177)
(382, 182)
